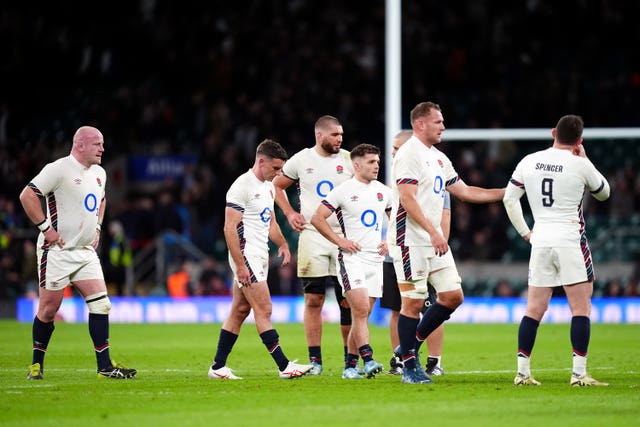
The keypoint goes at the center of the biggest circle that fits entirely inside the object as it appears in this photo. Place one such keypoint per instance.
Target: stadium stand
(211, 80)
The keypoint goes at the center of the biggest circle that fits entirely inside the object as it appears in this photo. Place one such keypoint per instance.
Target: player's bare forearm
(414, 211)
(233, 245)
(31, 205)
(103, 206)
(280, 184)
(275, 233)
(474, 194)
(319, 221)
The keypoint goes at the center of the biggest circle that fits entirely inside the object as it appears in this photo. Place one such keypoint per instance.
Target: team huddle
(342, 215)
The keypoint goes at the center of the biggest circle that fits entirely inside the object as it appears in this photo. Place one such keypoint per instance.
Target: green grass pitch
(172, 388)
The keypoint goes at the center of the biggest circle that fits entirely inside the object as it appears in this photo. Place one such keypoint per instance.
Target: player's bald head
(403, 136)
(400, 138)
(86, 135)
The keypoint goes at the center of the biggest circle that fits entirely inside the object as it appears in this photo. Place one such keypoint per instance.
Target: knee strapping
(98, 303)
(446, 279)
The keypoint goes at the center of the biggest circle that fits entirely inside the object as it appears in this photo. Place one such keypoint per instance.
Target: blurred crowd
(213, 79)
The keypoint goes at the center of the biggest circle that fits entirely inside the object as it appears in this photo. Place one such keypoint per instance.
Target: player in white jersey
(555, 181)
(316, 171)
(391, 294)
(248, 225)
(74, 189)
(421, 173)
(360, 205)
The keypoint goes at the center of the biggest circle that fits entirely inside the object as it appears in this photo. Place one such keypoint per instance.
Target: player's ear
(553, 133)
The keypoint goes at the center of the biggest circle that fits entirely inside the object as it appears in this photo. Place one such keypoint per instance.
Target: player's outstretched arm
(474, 194)
(513, 207)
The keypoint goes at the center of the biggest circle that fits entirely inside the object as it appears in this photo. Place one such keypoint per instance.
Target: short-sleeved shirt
(254, 198)
(316, 176)
(555, 181)
(360, 209)
(73, 195)
(431, 171)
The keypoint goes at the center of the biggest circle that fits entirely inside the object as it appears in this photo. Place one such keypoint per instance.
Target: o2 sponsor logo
(91, 202)
(323, 188)
(369, 219)
(265, 215)
(438, 185)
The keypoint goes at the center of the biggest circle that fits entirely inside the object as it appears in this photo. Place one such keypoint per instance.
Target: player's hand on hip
(383, 249)
(96, 241)
(348, 246)
(52, 237)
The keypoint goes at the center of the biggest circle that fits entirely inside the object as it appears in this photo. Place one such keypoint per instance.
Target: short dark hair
(325, 121)
(569, 129)
(271, 149)
(361, 149)
(423, 109)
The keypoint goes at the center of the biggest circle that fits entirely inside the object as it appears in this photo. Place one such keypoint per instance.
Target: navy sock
(407, 333)
(352, 361)
(346, 354)
(315, 354)
(580, 334)
(433, 317)
(99, 331)
(527, 336)
(226, 341)
(366, 352)
(41, 334)
(270, 340)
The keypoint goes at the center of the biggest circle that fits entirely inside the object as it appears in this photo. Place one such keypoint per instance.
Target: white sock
(524, 366)
(436, 357)
(579, 365)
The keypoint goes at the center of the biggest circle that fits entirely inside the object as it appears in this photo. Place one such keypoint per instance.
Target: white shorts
(550, 267)
(413, 266)
(59, 268)
(442, 261)
(412, 263)
(317, 257)
(358, 272)
(258, 268)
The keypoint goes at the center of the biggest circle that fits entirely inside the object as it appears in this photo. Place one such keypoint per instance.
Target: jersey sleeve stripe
(36, 190)
(451, 181)
(407, 181)
(517, 183)
(328, 205)
(599, 188)
(235, 206)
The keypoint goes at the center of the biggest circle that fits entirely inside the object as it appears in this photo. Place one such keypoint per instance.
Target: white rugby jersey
(316, 176)
(360, 209)
(555, 181)
(73, 195)
(429, 169)
(254, 198)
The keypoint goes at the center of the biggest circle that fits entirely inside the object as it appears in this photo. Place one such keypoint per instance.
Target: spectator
(179, 283)
(211, 282)
(117, 258)
(614, 289)
(503, 289)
